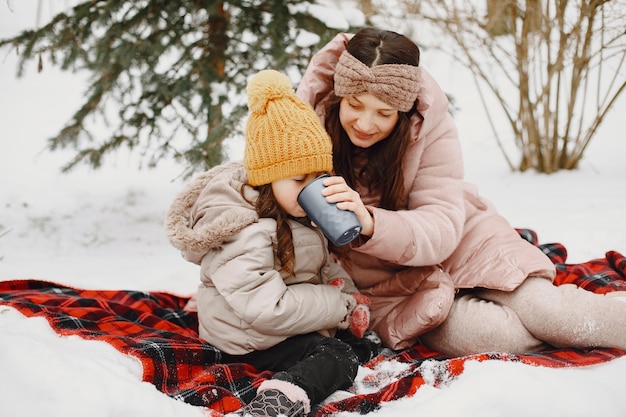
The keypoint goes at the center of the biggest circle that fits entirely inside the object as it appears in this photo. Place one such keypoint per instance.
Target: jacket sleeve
(243, 272)
(333, 271)
(431, 226)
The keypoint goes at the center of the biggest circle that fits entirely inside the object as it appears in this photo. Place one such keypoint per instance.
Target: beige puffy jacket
(446, 236)
(244, 302)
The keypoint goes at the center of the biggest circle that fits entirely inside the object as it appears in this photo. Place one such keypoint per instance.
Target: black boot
(272, 403)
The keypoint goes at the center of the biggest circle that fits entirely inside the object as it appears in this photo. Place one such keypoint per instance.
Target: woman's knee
(475, 325)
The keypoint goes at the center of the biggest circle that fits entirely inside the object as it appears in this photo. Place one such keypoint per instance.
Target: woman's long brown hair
(383, 172)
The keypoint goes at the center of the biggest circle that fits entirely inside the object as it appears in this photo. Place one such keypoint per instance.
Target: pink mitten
(338, 282)
(358, 318)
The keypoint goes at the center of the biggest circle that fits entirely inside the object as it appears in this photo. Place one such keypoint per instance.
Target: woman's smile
(366, 119)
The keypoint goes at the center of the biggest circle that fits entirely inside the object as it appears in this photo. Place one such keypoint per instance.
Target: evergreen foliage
(167, 77)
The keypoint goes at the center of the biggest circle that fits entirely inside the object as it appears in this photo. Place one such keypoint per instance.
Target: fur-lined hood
(209, 210)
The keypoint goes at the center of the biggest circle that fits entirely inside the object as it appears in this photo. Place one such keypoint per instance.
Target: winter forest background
(102, 228)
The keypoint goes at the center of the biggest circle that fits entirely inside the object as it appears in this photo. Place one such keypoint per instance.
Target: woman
(439, 264)
(270, 294)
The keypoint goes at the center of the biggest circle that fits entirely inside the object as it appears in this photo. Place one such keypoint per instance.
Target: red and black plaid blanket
(153, 327)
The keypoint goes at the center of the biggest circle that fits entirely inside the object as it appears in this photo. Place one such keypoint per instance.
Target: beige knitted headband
(395, 84)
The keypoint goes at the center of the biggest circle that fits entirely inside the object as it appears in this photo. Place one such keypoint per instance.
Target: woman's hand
(337, 191)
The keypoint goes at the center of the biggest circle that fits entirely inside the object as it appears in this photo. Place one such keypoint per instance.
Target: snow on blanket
(153, 327)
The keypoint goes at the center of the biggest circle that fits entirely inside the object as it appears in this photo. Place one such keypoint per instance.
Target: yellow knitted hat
(284, 136)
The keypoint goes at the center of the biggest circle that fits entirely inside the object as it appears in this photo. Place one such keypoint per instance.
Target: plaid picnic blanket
(155, 328)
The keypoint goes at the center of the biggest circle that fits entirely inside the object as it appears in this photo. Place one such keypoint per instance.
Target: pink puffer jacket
(446, 236)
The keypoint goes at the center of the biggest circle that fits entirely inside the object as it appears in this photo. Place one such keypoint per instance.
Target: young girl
(439, 264)
(270, 294)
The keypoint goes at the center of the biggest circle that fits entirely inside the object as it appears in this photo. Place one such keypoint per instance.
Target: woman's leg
(475, 325)
(566, 316)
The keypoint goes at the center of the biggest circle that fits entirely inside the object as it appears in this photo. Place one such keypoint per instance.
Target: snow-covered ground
(103, 229)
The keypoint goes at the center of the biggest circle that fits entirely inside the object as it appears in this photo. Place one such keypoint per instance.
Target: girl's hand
(337, 191)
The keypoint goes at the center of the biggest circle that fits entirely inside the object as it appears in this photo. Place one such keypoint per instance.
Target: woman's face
(366, 119)
(286, 192)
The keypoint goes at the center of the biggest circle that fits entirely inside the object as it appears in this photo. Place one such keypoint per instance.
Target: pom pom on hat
(266, 86)
(284, 136)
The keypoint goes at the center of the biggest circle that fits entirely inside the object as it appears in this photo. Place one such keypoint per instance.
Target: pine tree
(169, 76)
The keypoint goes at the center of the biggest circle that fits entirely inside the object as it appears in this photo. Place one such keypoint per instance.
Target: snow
(103, 229)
